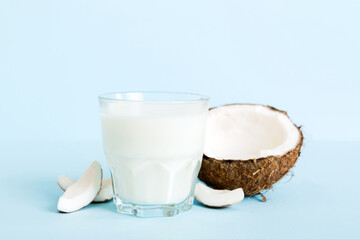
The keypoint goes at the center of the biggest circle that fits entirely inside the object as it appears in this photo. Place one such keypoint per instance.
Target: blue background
(299, 56)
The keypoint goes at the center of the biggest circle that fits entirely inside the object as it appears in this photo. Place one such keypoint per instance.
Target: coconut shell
(253, 175)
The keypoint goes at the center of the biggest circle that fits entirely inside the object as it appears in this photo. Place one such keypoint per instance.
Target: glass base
(164, 210)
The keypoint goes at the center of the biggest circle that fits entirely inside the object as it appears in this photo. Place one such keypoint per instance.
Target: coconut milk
(153, 158)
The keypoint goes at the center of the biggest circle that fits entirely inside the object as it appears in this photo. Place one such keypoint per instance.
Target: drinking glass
(153, 142)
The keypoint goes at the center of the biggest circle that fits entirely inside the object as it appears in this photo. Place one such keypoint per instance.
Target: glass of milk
(153, 143)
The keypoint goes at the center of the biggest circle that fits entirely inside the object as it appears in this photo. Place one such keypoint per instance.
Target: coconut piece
(83, 191)
(65, 182)
(105, 193)
(248, 146)
(217, 198)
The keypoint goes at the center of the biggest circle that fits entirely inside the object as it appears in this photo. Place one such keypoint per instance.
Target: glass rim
(197, 98)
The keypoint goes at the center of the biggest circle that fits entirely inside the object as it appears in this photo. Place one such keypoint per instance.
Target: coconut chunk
(105, 193)
(217, 198)
(83, 191)
(65, 182)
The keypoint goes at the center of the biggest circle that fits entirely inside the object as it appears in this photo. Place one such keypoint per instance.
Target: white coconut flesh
(65, 182)
(83, 191)
(105, 193)
(217, 198)
(243, 132)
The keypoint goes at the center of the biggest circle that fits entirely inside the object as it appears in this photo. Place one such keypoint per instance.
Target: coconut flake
(83, 191)
(217, 198)
(65, 182)
(105, 193)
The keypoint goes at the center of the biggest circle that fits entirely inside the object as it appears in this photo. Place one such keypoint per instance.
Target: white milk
(153, 159)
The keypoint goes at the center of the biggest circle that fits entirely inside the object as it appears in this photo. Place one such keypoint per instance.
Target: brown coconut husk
(253, 175)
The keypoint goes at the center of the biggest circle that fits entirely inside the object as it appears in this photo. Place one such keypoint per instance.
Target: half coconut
(248, 146)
